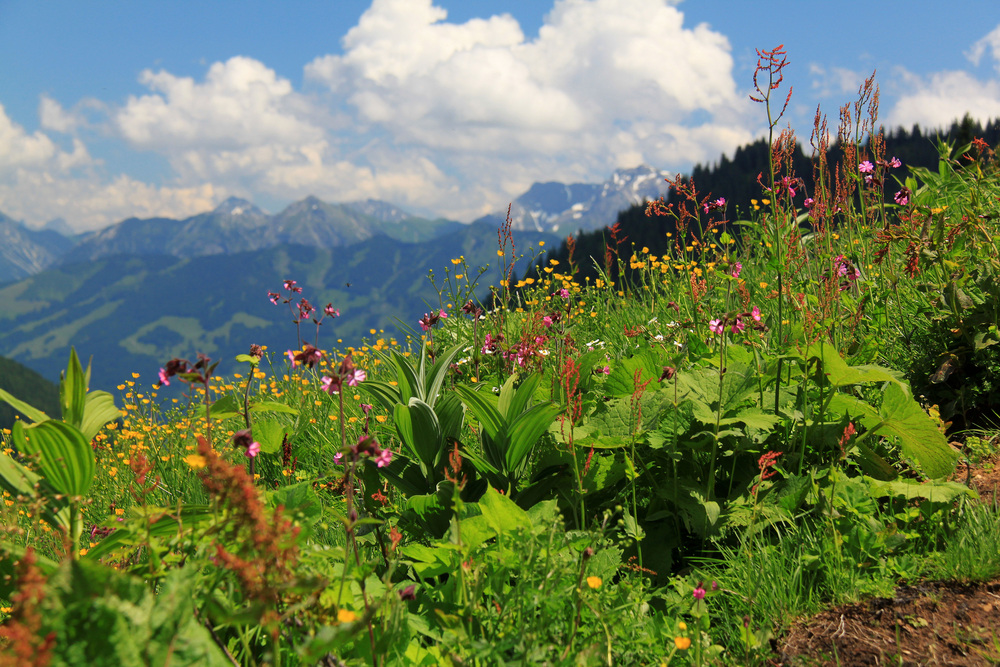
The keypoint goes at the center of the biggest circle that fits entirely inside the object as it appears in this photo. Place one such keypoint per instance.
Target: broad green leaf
(451, 415)
(404, 474)
(73, 391)
(621, 382)
(409, 384)
(65, 458)
(935, 491)
(420, 432)
(840, 374)
(33, 414)
(438, 374)
(525, 431)
(269, 433)
(502, 513)
(482, 407)
(99, 410)
(383, 393)
(519, 400)
(919, 437)
(299, 497)
(273, 406)
(223, 408)
(16, 479)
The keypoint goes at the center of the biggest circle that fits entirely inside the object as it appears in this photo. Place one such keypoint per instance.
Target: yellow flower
(594, 582)
(112, 472)
(196, 461)
(683, 643)
(541, 243)
(499, 253)
(346, 616)
(682, 626)
(135, 376)
(456, 262)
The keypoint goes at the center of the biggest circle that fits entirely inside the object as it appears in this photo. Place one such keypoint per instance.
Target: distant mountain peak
(566, 208)
(236, 206)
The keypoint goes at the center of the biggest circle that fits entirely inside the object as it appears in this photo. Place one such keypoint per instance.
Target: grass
(735, 445)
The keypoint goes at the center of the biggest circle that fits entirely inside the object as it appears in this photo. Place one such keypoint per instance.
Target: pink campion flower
(253, 449)
(755, 314)
(338, 458)
(738, 326)
(273, 296)
(603, 370)
(291, 356)
(442, 314)
(383, 458)
(164, 378)
(547, 321)
(564, 293)
(330, 385)
(331, 311)
(699, 593)
(355, 376)
(902, 197)
(809, 202)
(895, 163)
(866, 167)
(366, 408)
(714, 205)
(737, 269)
(716, 327)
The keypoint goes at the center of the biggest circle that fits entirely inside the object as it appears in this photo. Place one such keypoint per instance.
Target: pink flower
(737, 268)
(331, 385)
(547, 321)
(164, 378)
(442, 314)
(355, 376)
(902, 197)
(604, 370)
(273, 296)
(564, 293)
(291, 356)
(895, 163)
(699, 593)
(338, 458)
(331, 311)
(383, 458)
(738, 325)
(716, 327)
(755, 314)
(809, 202)
(866, 167)
(253, 449)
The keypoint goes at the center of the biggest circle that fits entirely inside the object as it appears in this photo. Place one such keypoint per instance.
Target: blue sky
(444, 107)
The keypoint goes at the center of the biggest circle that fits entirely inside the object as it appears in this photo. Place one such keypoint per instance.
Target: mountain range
(139, 292)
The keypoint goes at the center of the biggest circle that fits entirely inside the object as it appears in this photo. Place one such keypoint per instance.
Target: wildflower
(430, 319)
(714, 205)
(330, 385)
(273, 296)
(683, 643)
(755, 314)
(738, 326)
(346, 616)
(603, 370)
(164, 378)
(895, 163)
(408, 593)
(716, 326)
(866, 167)
(383, 458)
(291, 357)
(331, 311)
(699, 593)
(195, 461)
(256, 351)
(290, 285)
(737, 269)
(564, 293)
(668, 373)
(902, 197)
(338, 458)
(253, 449)
(809, 203)
(594, 582)
(366, 408)
(547, 321)
(309, 356)
(472, 309)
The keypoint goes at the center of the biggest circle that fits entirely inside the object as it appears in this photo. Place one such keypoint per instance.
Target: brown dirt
(932, 623)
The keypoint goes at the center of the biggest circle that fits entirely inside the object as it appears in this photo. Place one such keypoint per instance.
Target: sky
(447, 108)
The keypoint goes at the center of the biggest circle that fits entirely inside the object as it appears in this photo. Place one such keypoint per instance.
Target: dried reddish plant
(26, 647)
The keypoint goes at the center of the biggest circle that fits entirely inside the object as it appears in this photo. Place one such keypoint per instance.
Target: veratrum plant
(63, 460)
(510, 429)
